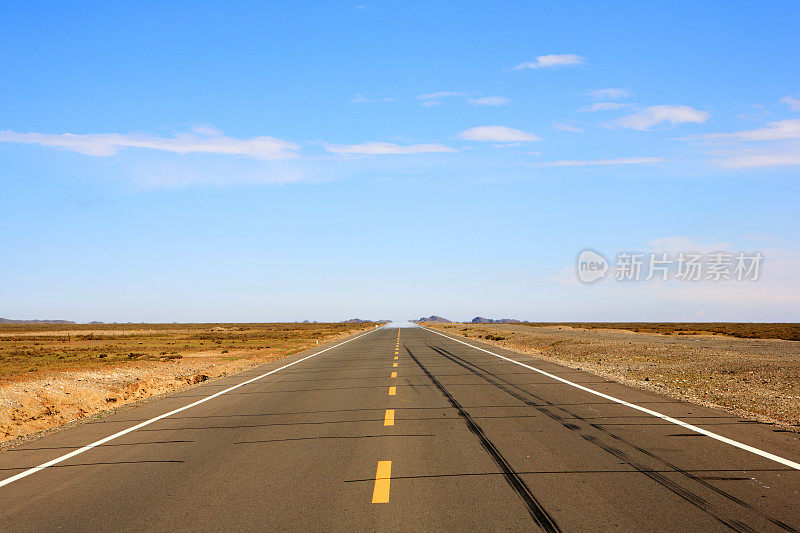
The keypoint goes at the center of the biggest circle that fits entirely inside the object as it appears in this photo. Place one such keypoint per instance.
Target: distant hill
(481, 320)
(434, 318)
(9, 321)
(356, 321)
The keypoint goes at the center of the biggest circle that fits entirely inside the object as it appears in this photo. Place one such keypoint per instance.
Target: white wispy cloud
(497, 134)
(753, 112)
(164, 172)
(601, 162)
(659, 114)
(793, 101)
(608, 94)
(604, 106)
(552, 60)
(776, 294)
(201, 140)
(441, 94)
(566, 126)
(675, 244)
(754, 160)
(435, 99)
(383, 148)
(778, 144)
(773, 298)
(494, 101)
(763, 238)
(361, 99)
(774, 131)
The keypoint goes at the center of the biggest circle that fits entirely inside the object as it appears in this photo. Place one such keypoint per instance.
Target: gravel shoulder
(758, 379)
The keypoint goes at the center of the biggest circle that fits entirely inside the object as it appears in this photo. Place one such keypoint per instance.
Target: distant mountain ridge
(481, 320)
(10, 321)
(434, 318)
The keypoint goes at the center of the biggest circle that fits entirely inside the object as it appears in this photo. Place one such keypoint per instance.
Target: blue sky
(289, 161)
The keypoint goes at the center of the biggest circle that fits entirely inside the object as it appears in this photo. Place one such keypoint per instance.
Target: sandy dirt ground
(757, 379)
(32, 402)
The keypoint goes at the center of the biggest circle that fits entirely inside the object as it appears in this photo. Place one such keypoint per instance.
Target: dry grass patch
(52, 375)
(786, 331)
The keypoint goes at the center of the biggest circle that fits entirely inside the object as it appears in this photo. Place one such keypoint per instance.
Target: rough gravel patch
(758, 379)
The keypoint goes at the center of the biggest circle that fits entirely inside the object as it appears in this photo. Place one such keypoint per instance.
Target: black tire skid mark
(666, 482)
(538, 513)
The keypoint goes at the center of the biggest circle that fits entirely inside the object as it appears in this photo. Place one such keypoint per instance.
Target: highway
(405, 429)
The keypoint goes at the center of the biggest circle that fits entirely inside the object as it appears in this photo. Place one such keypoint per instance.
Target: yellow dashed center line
(380, 493)
(382, 479)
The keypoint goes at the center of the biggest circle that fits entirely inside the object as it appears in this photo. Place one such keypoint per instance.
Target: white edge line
(165, 415)
(681, 423)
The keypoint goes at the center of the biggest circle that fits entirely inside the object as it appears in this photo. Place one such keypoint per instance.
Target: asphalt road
(459, 440)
